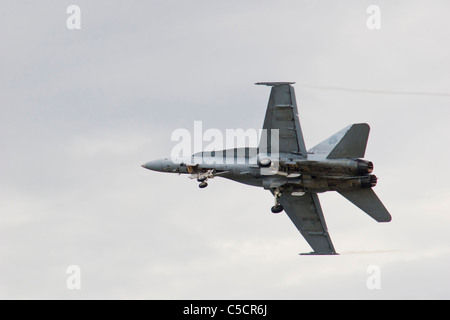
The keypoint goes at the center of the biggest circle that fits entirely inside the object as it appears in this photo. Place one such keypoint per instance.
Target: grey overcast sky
(81, 110)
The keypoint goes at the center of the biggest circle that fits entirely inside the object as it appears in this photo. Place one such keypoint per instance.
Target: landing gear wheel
(277, 209)
(203, 185)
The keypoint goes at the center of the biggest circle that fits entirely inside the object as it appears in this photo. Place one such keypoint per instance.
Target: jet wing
(306, 214)
(282, 115)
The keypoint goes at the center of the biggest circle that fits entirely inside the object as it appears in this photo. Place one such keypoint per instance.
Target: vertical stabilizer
(350, 142)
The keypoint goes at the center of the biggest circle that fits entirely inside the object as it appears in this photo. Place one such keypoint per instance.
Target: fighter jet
(294, 175)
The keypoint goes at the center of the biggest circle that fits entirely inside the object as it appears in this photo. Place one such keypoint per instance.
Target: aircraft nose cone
(154, 165)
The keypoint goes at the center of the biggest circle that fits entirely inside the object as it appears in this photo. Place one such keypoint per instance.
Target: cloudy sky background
(81, 110)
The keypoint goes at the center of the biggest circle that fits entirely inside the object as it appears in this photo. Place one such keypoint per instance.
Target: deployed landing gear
(277, 208)
(202, 177)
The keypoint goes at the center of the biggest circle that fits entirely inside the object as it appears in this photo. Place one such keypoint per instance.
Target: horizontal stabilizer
(367, 201)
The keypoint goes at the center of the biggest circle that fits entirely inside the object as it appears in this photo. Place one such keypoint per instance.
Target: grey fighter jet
(293, 174)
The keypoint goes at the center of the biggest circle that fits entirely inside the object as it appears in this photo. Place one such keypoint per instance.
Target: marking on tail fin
(321, 151)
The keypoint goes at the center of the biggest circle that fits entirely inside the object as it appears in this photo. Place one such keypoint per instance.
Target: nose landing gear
(277, 208)
(202, 177)
(203, 184)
